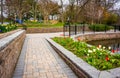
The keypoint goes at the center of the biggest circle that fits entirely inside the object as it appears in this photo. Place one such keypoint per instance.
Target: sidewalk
(39, 60)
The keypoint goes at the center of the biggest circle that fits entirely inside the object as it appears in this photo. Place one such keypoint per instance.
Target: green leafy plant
(100, 57)
(8, 27)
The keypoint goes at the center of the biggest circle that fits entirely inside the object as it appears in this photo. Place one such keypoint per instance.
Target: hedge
(100, 27)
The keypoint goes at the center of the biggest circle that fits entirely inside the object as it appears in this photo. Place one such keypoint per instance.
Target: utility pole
(1, 11)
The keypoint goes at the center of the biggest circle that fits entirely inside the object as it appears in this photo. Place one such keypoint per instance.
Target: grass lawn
(42, 25)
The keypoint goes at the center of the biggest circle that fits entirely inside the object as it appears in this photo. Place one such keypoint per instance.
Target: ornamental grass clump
(100, 57)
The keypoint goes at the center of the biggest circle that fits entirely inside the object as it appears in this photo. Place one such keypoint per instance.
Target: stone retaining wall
(2, 35)
(50, 29)
(44, 30)
(10, 48)
(99, 36)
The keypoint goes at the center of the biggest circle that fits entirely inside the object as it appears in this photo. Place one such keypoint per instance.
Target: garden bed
(81, 68)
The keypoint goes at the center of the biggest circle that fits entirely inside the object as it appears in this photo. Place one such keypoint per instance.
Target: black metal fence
(69, 30)
(116, 27)
(73, 29)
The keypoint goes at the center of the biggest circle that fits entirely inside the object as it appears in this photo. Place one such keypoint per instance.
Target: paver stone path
(39, 60)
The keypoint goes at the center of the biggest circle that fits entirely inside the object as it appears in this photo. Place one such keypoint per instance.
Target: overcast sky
(117, 5)
(67, 2)
(64, 1)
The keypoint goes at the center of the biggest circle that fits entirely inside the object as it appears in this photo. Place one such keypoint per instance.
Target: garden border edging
(98, 36)
(80, 67)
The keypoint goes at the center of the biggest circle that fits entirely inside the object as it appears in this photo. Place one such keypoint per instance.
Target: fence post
(64, 30)
(83, 28)
(105, 28)
(115, 28)
(75, 29)
(119, 27)
(69, 30)
(94, 29)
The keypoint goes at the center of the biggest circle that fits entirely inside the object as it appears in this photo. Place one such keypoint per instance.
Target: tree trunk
(46, 19)
(62, 18)
(35, 9)
(20, 17)
(1, 11)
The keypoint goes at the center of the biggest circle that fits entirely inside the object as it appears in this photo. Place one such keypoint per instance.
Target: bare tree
(75, 8)
(95, 10)
(18, 7)
(47, 7)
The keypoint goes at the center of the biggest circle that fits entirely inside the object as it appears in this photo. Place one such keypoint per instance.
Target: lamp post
(68, 21)
(70, 17)
(1, 11)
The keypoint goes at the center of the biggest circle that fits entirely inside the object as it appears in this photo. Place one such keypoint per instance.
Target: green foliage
(100, 27)
(43, 25)
(98, 57)
(111, 19)
(6, 28)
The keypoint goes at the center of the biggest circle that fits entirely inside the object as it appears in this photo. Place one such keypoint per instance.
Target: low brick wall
(10, 48)
(2, 35)
(44, 30)
(99, 36)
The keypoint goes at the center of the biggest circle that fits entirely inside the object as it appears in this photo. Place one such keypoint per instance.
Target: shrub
(8, 27)
(99, 27)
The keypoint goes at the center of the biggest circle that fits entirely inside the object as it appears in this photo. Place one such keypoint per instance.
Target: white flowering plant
(103, 58)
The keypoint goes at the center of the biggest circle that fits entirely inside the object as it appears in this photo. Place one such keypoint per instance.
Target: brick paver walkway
(39, 60)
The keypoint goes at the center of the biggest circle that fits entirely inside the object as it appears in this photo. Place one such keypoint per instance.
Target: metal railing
(69, 30)
(73, 29)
